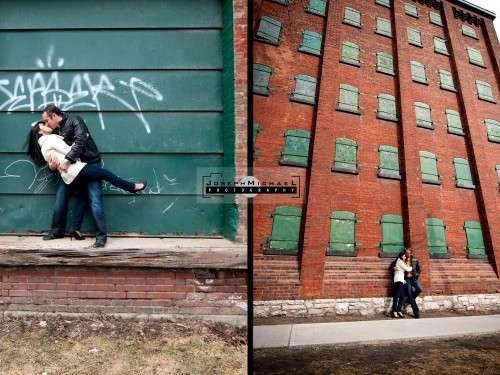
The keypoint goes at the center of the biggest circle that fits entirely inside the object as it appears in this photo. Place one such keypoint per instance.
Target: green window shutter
(350, 54)
(435, 19)
(261, 75)
(305, 89)
(446, 81)
(454, 122)
(462, 169)
(385, 3)
(440, 46)
(286, 228)
(484, 91)
(383, 26)
(282, 2)
(469, 31)
(342, 237)
(392, 233)
(387, 107)
(475, 57)
(436, 238)
(493, 129)
(345, 154)
(317, 7)
(385, 63)
(414, 37)
(475, 242)
(352, 17)
(411, 10)
(311, 42)
(269, 30)
(423, 114)
(428, 167)
(348, 99)
(389, 162)
(418, 73)
(296, 148)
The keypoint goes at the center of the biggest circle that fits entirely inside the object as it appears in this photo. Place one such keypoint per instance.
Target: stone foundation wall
(370, 306)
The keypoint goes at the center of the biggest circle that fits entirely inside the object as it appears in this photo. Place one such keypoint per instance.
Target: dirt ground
(107, 345)
(466, 355)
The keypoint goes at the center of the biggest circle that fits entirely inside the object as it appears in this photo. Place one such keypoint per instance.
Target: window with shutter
(436, 238)
(296, 148)
(493, 130)
(282, 2)
(387, 107)
(345, 156)
(311, 43)
(484, 91)
(423, 115)
(317, 7)
(475, 57)
(348, 99)
(435, 19)
(269, 31)
(392, 234)
(411, 10)
(463, 175)
(385, 63)
(446, 81)
(350, 54)
(261, 75)
(454, 124)
(389, 162)
(475, 242)
(385, 3)
(342, 234)
(428, 167)
(352, 17)
(414, 37)
(305, 89)
(418, 73)
(469, 31)
(383, 27)
(440, 46)
(285, 230)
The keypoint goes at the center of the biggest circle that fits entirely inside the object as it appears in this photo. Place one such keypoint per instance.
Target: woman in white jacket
(399, 280)
(43, 146)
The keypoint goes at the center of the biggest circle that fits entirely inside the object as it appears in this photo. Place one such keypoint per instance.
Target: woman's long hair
(34, 150)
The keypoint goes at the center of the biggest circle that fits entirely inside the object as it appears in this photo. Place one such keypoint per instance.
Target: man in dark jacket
(412, 285)
(76, 134)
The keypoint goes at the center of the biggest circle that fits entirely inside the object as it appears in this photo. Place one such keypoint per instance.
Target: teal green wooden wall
(153, 80)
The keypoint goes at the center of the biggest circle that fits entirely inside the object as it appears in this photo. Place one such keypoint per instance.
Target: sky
(492, 6)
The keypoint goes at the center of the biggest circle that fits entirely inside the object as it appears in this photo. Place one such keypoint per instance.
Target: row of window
(286, 230)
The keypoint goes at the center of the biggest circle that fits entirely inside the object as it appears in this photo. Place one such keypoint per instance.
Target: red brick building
(388, 116)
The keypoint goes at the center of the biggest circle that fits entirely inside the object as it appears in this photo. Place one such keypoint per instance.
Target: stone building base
(371, 306)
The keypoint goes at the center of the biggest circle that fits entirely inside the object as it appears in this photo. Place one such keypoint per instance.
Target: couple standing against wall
(65, 143)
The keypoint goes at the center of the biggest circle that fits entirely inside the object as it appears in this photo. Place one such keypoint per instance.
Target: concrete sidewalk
(372, 331)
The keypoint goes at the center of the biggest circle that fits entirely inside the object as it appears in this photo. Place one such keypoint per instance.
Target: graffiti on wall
(34, 93)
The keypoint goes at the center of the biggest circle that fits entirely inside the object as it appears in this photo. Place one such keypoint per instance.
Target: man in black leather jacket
(412, 285)
(76, 134)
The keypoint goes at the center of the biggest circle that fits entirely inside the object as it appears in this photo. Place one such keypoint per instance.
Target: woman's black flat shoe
(144, 184)
(74, 233)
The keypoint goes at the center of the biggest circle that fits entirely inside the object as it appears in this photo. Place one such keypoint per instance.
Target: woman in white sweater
(399, 280)
(43, 146)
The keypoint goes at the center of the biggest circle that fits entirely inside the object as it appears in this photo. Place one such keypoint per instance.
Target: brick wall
(212, 294)
(313, 274)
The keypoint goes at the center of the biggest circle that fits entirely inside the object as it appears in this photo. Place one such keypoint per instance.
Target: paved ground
(373, 331)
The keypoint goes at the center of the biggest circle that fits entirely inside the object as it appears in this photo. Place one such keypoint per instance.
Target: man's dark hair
(51, 109)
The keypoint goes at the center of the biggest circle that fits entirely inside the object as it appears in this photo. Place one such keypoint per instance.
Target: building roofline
(475, 8)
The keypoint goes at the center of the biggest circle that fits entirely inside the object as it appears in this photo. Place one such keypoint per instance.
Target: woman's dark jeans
(399, 296)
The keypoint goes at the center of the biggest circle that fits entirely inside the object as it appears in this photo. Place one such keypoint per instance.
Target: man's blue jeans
(94, 190)
(412, 295)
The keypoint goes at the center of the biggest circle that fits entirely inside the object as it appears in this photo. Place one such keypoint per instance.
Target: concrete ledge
(213, 253)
